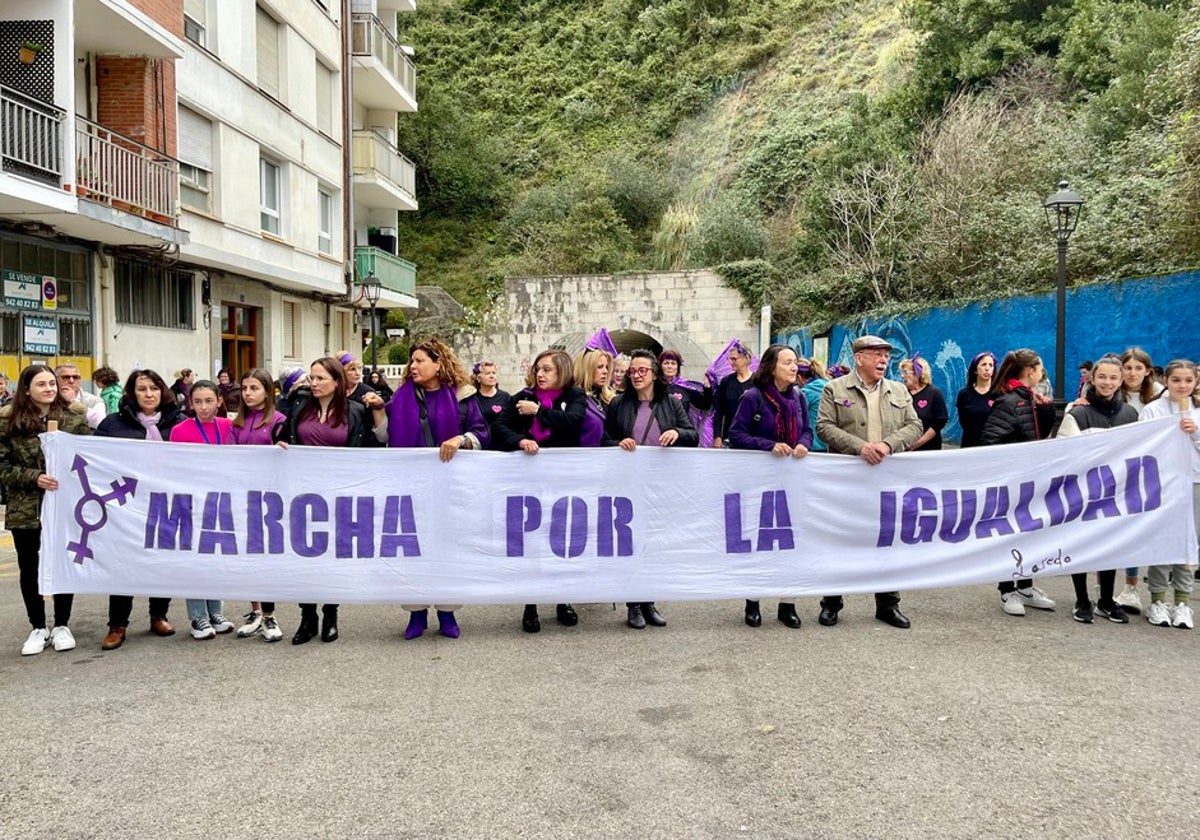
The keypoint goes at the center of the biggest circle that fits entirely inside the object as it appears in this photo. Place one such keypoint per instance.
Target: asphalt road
(972, 724)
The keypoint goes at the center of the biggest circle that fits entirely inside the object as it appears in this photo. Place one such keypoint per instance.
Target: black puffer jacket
(1017, 417)
(564, 420)
(668, 413)
(124, 424)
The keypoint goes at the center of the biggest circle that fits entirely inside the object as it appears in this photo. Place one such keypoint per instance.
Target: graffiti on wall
(1154, 313)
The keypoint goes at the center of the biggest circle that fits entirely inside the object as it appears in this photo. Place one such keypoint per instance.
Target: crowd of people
(785, 404)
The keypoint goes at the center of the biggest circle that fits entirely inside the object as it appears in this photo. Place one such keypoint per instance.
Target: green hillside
(827, 157)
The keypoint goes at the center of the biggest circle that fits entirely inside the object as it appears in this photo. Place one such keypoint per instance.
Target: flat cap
(870, 342)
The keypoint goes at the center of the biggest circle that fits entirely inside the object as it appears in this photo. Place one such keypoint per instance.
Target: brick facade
(166, 13)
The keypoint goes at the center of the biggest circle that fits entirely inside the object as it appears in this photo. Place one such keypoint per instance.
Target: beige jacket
(842, 418)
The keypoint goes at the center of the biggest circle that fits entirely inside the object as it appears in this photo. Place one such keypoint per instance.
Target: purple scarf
(404, 416)
(787, 414)
(546, 400)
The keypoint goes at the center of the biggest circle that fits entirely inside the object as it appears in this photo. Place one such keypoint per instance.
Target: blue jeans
(198, 609)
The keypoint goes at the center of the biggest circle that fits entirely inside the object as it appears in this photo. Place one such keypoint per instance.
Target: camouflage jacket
(21, 462)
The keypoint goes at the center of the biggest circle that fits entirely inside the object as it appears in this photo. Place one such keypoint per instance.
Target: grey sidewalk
(972, 724)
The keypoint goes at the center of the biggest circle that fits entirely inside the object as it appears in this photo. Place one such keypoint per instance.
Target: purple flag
(601, 341)
(720, 368)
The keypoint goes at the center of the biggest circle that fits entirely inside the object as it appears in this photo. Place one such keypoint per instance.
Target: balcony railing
(369, 37)
(116, 170)
(373, 151)
(394, 274)
(30, 137)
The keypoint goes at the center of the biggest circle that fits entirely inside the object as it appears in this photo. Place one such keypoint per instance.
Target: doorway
(239, 338)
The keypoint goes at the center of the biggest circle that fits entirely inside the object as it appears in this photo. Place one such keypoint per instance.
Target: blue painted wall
(1158, 314)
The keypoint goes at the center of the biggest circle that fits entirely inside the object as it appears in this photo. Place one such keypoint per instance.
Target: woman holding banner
(548, 412)
(36, 403)
(773, 417)
(148, 411)
(1101, 408)
(258, 423)
(1019, 415)
(427, 412)
(323, 415)
(591, 373)
(645, 415)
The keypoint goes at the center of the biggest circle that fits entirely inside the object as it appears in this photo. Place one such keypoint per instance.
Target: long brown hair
(1015, 361)
(26, 416)
(337, 405)
(268, 410)
(1146, 391)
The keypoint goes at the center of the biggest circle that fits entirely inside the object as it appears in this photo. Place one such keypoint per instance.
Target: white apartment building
(195, 184)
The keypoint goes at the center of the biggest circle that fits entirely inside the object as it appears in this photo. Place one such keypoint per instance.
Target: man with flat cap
(864, 414)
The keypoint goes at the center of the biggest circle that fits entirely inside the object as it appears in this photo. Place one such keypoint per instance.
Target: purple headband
(346, 358)
(291, 379)
(804, 367)
(979, 356)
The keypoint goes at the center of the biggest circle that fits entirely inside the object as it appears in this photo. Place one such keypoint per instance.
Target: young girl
(1138, 388)
(1101, 408)
(204, 426)
(258, 424)
(23, 471)
(1177, 400)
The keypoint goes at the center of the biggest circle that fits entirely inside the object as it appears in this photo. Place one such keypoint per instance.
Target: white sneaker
(36, 643)
(62, 639)
(201, 629)
(254, 621)
(1158, 614)
(270, 629)
(1130, 600)
(1036, 598)
(1011, 603)
(1181, 617)
(220, 623)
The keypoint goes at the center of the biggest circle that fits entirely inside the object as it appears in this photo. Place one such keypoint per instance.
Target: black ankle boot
(530, 622)
(307, 631)
(753, 616)
(787, 615)
(329, 630)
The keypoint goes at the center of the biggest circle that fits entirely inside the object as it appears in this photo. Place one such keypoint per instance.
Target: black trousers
(120, 607)
(1006, 586)
(1108, 581)
(327, 610)
(883, 600)
(27, 541)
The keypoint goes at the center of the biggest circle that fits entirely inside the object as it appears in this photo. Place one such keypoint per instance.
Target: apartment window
(291, 330)
(325, 219)
(270, 191)
(267, 31)
(195, 160)
(10, 333)
(152, 295)
(324, 99)
(195, 21)
(74, 336)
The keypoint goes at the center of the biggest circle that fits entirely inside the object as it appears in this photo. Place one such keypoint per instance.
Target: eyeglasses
(640, 371)
(70, 377)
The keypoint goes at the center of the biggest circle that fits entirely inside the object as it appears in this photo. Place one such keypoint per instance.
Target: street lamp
(1062, 214)
(371, 288)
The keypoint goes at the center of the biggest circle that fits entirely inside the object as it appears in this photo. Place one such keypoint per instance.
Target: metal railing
(30, 137)
(369, 37)
(372, 151)
(394, 274)
(113, 169)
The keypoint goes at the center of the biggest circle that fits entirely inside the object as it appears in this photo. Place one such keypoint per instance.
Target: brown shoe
(159, 626)
(114, 639)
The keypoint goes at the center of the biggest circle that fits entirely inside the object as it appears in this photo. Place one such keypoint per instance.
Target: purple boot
(447, 626)
(417, 623)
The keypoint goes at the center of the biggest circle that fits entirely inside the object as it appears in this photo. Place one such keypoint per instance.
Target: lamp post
(371, 288)
(1062, 214)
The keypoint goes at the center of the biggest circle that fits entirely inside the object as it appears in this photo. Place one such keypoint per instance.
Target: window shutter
(196, 11)
(324, 99)
(195, 139)
(268, 53)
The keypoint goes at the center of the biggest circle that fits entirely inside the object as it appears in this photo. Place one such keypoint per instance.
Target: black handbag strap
(424, 415)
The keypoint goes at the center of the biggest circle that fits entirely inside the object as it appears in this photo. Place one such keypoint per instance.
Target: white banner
(596, 525)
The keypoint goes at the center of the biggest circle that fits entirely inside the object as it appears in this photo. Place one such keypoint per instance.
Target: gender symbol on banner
(91, 511)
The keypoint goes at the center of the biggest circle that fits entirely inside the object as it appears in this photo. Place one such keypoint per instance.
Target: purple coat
(447, 417)
(253, 434)
(753, 425)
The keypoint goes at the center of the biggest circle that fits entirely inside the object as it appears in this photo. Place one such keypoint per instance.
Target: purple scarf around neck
(404, 416)
(546, 400)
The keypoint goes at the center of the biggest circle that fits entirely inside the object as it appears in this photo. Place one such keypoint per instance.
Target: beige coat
(842, 418)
